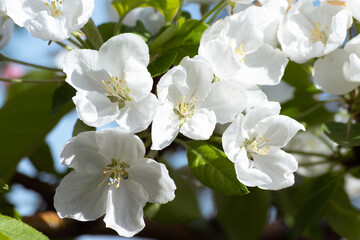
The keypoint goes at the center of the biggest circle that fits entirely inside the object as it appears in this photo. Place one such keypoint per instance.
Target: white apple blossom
(113, 83)
(111, 176)
(235, 46)
(354, 7)
(253, 143)
(151, 18)
(191, 104)
(311, 165)
(6, 30)
(311, 31)
(50, 19)
(329, 75)
(352, 66)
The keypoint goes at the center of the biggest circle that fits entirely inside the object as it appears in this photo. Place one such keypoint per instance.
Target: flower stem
(83, 43)
(220, 5)
(19, 80)
(75, 43)
(67, 47)
(118, 26)
(3, 58)
(216, 13)
(181, 142)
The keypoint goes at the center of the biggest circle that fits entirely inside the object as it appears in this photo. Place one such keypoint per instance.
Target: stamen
(185, 109)
(318, 35)
(114, 172)
(118, 90)
(55, 7)
(256, 145)
(240, 53)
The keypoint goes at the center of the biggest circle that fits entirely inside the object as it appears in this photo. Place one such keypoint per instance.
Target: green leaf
(80, 127)
(339, 133)
(211, 167)
(185, 41)
(92, 34)
(42, 158)
(61, 97)
(25, 120)
(243, 216)
(168, 8)
(107, 30)
(320, 192)
(14, 229)
(342, 216)
(162, 64)
(182, 209)
(3, 186)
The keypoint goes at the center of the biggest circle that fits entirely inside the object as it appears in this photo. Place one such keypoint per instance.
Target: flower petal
(115, 143)
(232, 139)
(81, 153)
(279, 166)
(79, 197)
(124, 211)
(137, 116)
(278, 130)
(226, 99)
(200, 126)
(246, 173)
(155, 179)
(83, 72)
(95, 109)
(115, 52)
(165, 126)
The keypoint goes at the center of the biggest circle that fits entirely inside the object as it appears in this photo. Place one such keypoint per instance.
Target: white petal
(165, 126)
(81, 153)
(124, 211)
(265, 66)
(200, 126)
(221, 57)
(279, 166)
(137, 116)
(258, 113)
(138, 79)
(278, 130)
(115, 52)
(199, 77)
(232, 139)
(117, 144)
(83, 72)
(80, 11)
(226, 100)
(155, 179)
(352, 69)
(246, 173)
(328, 73)
(79, 196)
(176, 74)
(95, 109)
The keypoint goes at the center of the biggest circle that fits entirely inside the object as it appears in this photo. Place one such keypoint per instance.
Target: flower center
(257, 145)
(318, 35)
(118, 91)
(240, 53)
(55, 7)
(114, 172)
(185, 109)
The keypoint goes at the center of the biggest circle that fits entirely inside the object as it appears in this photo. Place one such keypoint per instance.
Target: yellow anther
(117, 90)
(240, 53)
(185, 109)
(318, 35)
(55, 8)
(114, 172)
(256, 145)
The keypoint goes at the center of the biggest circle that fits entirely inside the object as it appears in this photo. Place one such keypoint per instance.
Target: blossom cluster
(220, 85)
